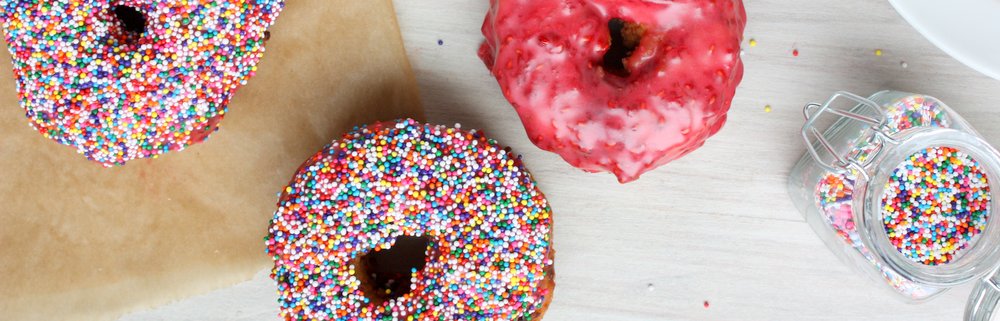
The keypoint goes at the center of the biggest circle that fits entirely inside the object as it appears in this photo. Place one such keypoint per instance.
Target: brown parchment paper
(78, 241)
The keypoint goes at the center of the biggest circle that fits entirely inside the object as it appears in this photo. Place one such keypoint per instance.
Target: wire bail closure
(842, 163)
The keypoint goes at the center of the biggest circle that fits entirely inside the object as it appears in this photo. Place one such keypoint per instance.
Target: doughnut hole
(625, 37)
(131, 21)
(385, 274)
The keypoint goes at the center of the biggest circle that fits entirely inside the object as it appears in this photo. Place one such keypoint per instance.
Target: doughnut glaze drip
(489, 255)
(126, 79)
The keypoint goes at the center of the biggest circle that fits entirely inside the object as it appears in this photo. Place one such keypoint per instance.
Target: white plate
(968, 30)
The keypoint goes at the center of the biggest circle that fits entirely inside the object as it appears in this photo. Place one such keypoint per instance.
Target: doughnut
(479, 224)
(126, 79)
(616, 86)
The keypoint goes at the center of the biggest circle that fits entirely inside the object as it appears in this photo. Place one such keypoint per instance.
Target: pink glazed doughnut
(622, 86)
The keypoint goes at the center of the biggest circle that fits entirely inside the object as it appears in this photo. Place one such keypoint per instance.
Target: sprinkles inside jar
(934, 205)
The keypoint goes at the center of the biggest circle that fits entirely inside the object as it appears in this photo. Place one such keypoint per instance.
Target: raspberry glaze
(549, 58)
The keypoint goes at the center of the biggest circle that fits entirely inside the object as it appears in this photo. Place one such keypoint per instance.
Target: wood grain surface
(716, 226)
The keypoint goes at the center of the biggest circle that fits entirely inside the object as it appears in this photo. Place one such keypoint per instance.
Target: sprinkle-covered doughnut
(126, 79)
(488, 255)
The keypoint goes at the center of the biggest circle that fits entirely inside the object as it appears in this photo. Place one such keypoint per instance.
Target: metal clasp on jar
(876, 138)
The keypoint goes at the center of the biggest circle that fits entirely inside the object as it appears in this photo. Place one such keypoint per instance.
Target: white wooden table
(716, 226)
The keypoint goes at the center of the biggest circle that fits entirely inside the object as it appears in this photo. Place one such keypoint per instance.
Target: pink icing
(547, 56)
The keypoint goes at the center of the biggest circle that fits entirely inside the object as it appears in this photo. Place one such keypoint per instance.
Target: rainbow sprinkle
(916, 111)
(834, 191)
(934, 204)
(118, 91)
(488, 224)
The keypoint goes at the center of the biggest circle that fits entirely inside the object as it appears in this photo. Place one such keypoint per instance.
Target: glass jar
(899, 186)
(983, 300)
